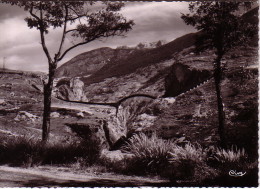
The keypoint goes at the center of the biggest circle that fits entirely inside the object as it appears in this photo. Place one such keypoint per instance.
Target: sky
(21, 46)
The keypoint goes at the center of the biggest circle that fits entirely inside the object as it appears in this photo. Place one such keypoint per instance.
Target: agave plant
(150, 153)
(230, 155)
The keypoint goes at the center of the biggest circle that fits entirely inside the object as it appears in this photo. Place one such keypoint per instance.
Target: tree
(221, 28)
(140, 46)
(77, 20)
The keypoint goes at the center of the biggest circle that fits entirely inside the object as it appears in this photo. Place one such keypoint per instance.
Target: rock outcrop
(72, 90)
(93, 133)
(77, 87)
(26, 116)
(182, 78)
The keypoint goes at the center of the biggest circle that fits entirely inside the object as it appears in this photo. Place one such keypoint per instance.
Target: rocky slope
(88, 63)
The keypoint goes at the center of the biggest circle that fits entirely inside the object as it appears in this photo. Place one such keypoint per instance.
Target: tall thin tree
(86, 21)
(221, 28)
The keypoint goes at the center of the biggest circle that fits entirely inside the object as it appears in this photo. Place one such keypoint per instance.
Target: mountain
(89, 62)
(106, 62)
(142, 58)
(116, 73)
(102, 63)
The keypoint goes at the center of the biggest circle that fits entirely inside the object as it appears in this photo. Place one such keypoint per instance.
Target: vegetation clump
(30, 151)
(182, 162)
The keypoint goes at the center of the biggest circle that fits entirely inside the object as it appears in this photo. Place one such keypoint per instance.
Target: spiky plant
(150, 153)
(233, 155)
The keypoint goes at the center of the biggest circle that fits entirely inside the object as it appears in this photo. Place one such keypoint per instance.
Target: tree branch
(75, 18)
(71, 30)
(64, 32)
(74, 46)
(43, 38)
(94, 36)
(33, 15)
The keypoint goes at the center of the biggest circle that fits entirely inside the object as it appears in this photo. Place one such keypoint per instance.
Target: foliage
(189, 151)
(221, 28)
(230, 156)
(150, 154)
(29, 151)
(188, 162)
(155, 156)
(220, 24)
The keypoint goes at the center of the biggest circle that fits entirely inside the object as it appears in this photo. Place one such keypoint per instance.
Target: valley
(120, 116)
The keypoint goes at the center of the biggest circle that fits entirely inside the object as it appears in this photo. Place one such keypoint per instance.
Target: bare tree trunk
(47, 103)
(221, 113)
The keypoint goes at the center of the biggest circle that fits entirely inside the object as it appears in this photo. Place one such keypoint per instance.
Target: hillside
(141, 59)
(99, 64)
(88, 63)
(96, 65)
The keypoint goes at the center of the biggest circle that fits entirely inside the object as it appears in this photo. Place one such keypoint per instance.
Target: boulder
(55, 114)
(143, 122)
(114, 156)
(80, 115)
(72, 90)
(115, 132)
(77, 87)
(2, 102)
(25, 116)
(159, 105)
(92, 132)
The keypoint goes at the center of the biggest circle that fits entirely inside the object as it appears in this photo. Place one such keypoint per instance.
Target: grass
(30, 151)
(230, 155)
(188, 163)
(146, 155)
(150, 154)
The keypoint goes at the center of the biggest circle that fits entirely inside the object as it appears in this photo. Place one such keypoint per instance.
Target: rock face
(90, 132)
(77, 87)
(182, 78)
(72, 90)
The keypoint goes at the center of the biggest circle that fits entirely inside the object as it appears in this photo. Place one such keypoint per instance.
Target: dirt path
(38, 177)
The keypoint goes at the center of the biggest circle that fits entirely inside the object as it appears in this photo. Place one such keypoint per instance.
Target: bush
(20, 150)
(150, 154)
(227, 159)
(189, 162)
(232, 155)
(29, 151)
(232, 161)
(165, 158)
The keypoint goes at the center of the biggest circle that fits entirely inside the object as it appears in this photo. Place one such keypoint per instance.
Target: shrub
(150, 154)
(30, 151)
(20, 150)
(156, 156)
(188, 162)
(189, 151)
(231, 155)
(230, 158)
